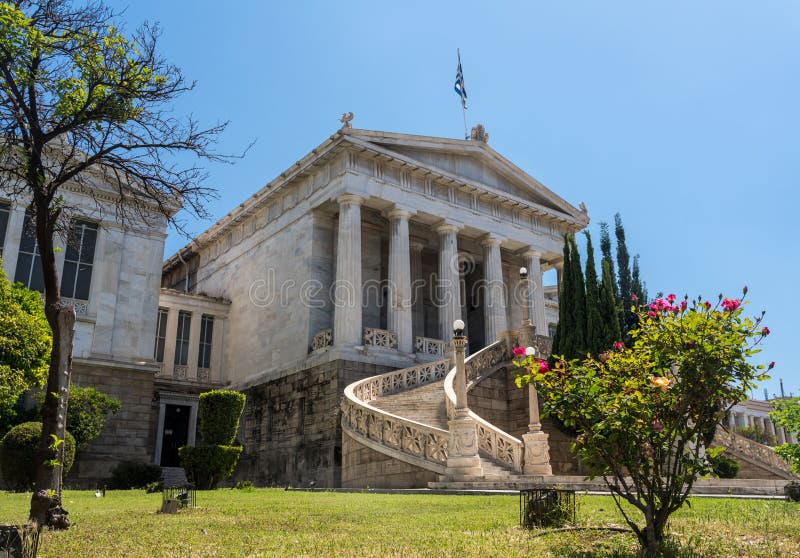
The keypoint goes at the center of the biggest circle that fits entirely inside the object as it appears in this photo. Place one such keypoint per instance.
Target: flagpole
(463, 108)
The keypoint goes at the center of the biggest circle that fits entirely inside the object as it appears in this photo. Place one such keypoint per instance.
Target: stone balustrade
(322, 340)
(81, 306)
(746, 447)
(375, 337)
(408, 440)
(497, 444)
(429, 346)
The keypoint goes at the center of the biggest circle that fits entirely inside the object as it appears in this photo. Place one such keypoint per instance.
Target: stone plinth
(462, 449)
(537, 454)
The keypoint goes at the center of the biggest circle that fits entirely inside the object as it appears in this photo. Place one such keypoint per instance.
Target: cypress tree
(608, 309)
(639, 288)
(594, 325)
(624, 275)
(563, 309)
(577, 347)
(605, 249)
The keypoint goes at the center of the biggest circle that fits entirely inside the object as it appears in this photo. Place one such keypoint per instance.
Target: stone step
(423, 404)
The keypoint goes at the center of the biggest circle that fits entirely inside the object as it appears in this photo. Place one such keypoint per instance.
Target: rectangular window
(206, 334)
(182, 338)
(29, 263)
(78, 260)
(161, 334)
(5, 211)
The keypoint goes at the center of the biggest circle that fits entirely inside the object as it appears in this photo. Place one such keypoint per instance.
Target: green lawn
(273, 522)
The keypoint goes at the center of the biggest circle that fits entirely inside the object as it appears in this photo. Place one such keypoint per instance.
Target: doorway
(175, 433)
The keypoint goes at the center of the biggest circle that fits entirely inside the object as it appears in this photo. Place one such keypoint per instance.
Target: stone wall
(127, 435)
(498, 400)
(363, 467)
(291, 426)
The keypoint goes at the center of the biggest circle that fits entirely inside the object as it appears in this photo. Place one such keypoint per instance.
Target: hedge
(129, 474)
(219, 414)
(206, 466)
(17, 452)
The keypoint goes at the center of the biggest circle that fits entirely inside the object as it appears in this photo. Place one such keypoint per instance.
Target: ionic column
(449, 288)
(399, 311)
(417, 309)
(168, 365)
(194, 345)
(347, 289)
(536, 309)
(780, 435)
(495, 305)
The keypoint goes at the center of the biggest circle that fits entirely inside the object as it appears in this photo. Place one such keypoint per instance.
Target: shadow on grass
(611, 543)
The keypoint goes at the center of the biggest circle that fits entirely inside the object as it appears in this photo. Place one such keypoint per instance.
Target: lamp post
(526, 309)
(463, 461)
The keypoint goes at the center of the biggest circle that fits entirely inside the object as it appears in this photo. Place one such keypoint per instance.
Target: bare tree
(85, 107)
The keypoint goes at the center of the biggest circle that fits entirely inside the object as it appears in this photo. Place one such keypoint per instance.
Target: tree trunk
(46, 500)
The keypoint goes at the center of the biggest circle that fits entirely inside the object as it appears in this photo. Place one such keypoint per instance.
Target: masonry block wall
(366, 468)
(127, 435)
(291, 426)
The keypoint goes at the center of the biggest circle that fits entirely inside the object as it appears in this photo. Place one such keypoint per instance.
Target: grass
(273, 522)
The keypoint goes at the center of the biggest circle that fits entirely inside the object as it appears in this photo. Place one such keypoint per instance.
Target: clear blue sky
(682, 116)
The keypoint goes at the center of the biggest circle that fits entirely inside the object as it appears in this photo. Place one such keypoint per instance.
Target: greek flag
(459, 87)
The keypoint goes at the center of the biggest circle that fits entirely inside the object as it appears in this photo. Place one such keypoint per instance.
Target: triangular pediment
(472, 161)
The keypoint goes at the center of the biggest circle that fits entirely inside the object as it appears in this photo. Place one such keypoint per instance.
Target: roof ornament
(345, 119)
(582, 207)
(479, 133)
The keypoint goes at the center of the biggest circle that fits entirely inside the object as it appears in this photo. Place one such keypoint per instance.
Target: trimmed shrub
(17, 452)
(206, 466)
(130, 474)
(87, 411)
(724, 467)
(219, 414)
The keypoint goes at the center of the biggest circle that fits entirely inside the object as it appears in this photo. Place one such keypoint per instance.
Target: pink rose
(730, 304)
(671, 298)
(765, 331)
(657, 425)
(519, 351)
(771, 365)
(543, 367)
(684, 304)
(618, 345)
(707, 304)
(652, 314)
(634, 297)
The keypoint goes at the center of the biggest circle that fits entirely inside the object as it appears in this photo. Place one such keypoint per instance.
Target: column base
(537, 454)
(462, 449)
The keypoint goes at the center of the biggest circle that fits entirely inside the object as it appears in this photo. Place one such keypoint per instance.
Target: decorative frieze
(322, 340)
(81, 306)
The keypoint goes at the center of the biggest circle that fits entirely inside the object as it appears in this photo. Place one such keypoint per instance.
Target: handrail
(747, 448)
(499, 445)
(408, 440)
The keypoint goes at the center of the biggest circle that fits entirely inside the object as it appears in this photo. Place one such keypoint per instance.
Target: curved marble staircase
(404, 416)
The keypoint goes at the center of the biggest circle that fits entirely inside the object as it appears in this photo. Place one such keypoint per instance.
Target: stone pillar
(536, 293)
(780, 435)
(347, 289)
(731, 421)
(194, 345)
(537, 449)
(449, 288)
(526, 297)
(769, 426)
(16, 219)
(169, 343)
(559, 266)
(495, 304)
(417, 290)
(399, 311)
(462, 449)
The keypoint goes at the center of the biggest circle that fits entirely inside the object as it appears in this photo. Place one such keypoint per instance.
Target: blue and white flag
(459, 87)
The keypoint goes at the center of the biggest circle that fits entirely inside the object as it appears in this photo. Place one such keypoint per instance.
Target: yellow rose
(659, 382)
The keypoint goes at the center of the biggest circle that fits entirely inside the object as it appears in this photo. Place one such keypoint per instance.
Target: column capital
(492, 240)
(416, 245)
(531, 252)
(399, 213)
(350, 198)
(446, 227)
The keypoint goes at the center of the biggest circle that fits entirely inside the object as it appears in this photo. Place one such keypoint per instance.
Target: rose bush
(646, 414)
